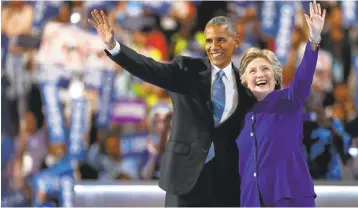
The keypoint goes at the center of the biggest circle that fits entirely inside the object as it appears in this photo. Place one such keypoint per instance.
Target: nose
(260, 74)
(215, 45)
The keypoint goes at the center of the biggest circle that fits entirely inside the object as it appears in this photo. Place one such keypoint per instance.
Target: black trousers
(211, 190)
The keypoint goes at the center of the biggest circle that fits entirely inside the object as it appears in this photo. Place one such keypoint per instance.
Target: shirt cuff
(114, 51)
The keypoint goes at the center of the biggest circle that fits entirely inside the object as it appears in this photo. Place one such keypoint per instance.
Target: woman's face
(260, 78)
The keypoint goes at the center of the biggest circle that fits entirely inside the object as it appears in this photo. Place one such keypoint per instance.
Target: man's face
(220, 45)
(159, 123)
(336, 17)
(31, 122)
(113, 147)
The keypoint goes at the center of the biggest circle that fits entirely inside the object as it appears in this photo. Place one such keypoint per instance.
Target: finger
(317, 12)
(98, 16)
(308, 20)
(104, 18)
(315, 7)
(319, 9)
(324, 14)
(94, 18)
(311, 9)
(93, 23)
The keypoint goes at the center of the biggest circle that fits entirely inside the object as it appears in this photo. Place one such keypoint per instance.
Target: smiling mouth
(261, 83)
(215, 55)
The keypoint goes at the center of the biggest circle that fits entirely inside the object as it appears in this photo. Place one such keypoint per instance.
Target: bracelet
(315, 43)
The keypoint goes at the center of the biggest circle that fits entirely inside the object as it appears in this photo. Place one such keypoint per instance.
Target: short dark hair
(223, 21)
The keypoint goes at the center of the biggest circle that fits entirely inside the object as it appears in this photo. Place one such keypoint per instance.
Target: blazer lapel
(244, 94)
(205, 91)
(241, 88)
(245, 98)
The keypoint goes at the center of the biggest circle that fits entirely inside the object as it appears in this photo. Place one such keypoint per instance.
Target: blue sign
(334, 168)
(77, 145)
(158, 7)
(323, 135)
(133, 143)
(65, 167)
(349, 12)
(269, 17)
(66, 195)
(99, 5)
(106, 97)
(44, 11)
(132, 148)
(284, 33)
(53, 112)
(56, 181)
(338, 127)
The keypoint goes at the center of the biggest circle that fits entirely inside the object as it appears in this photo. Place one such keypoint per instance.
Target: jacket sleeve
(299, 88)
(164, 75)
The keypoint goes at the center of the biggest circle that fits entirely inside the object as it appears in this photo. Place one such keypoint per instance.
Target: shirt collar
(228, 70)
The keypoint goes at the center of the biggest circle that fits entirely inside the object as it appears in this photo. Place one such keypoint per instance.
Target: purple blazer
(271, 157)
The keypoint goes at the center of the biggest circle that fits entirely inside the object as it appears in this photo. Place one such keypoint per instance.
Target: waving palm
(315, 21)
(104, 29)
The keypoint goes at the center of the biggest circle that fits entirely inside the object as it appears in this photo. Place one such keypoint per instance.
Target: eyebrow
(259, 67)
(215, 38)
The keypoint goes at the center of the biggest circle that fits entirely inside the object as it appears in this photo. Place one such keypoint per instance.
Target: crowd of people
(62, 122)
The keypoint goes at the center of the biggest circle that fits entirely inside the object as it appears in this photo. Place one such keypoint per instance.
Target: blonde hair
(253, 53)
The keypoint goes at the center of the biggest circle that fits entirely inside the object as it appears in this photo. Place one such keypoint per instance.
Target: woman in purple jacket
(272, 166)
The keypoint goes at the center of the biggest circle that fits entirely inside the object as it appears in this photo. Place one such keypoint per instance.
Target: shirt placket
(252, 134)
(255, 155)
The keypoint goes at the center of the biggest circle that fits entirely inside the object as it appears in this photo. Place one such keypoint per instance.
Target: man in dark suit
(200, 166)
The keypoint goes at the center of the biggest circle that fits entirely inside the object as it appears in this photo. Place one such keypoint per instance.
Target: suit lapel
(244, 95)
(240, 88)
(205, 91)
(245, 98)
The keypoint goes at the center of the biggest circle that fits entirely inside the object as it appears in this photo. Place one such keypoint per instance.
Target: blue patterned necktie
(218, 100)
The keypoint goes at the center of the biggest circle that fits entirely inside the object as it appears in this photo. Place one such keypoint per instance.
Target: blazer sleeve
(299, 88)
(164, 75)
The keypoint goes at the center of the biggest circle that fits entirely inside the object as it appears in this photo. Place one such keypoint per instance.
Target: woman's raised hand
(315, 21)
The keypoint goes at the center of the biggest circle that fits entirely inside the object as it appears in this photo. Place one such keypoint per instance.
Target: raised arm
(165, 75)
(299, 88)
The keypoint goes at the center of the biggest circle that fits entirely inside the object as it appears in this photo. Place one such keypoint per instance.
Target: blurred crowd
(69, 114)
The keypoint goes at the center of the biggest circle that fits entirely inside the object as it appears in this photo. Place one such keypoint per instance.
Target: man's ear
(237, 40)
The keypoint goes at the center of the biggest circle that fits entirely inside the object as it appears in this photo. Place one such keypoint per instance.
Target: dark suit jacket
(188, 81)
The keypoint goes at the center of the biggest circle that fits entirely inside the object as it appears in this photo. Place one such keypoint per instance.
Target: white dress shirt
(114, 51)
(231, 95)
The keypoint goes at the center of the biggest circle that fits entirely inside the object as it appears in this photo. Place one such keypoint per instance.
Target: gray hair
(253, 53)
(223, 21)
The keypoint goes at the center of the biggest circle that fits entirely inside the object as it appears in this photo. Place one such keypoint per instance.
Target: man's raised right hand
(104, 29)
